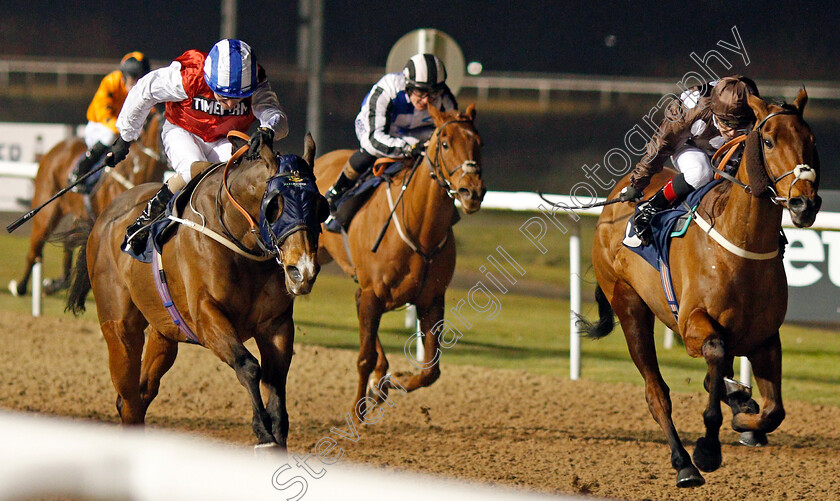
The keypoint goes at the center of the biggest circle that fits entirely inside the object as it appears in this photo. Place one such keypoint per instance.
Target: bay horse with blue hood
(249, 248)
(728, 280)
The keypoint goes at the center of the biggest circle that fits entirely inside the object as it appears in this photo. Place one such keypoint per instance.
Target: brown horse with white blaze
(145, 162)
(249, 249)
(729, 282)
(416, 258)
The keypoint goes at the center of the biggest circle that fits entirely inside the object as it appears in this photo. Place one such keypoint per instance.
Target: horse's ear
(759, 181)
(309, 149)
(470, 113)
(438, 116)
(758, 106)
(801, 100)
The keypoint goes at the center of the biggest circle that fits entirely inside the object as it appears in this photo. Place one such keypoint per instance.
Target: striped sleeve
(378, 116)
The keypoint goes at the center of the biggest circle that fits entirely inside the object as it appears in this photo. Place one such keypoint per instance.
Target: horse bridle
(800, 172)
(437, 167)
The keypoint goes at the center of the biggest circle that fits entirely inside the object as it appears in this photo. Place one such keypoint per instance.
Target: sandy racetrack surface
(506, 427)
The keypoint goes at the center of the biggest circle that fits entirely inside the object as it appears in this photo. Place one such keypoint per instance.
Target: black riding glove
(415, 150)
(630, 194)
(264, 135)
(119, 150)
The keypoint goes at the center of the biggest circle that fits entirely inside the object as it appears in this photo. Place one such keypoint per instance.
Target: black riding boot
(342, 184)
(138, 231)
(87, 162)
(669, 196)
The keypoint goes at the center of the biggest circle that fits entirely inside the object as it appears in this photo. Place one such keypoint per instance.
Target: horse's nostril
(465, 193)
(797, 203)
(294, 273)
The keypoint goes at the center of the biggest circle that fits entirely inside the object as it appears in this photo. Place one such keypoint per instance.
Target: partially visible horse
(145, 162)
(416, 259)
(728, 280)
(250, 248)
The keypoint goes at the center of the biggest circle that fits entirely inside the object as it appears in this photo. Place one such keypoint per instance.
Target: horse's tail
(80, 283)
(605, 323)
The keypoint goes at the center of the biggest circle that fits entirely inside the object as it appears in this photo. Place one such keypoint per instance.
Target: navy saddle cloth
(349, 204)
(663, 228)
(161, 230)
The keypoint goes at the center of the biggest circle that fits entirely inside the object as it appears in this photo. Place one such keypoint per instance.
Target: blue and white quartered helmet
(230, 69)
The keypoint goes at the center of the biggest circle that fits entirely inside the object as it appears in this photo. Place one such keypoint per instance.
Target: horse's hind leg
(159, 357)
(637, 322)
(53, 285)
(430, 317)
(276, 352)
(767, 367)
(43, 224)
(125, 348)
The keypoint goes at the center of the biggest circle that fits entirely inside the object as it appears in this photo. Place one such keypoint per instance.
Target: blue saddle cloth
(662, 226)
(349, 204)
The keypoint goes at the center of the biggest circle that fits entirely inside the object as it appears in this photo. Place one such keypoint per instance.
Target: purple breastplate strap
(163, 292)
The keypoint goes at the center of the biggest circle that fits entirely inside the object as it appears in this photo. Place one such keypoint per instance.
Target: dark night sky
(783, 40)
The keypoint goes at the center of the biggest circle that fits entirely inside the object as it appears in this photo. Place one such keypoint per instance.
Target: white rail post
(669, 339)
(412, 322)
(36, 289)
(574, 301)
(746, 371)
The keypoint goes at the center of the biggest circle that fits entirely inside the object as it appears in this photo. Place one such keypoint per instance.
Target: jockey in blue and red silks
(207, 95)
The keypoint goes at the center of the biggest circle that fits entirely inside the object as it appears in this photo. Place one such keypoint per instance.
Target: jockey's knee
(175, 183)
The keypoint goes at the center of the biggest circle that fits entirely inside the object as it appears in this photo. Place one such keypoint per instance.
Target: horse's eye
(445, 145)
(768, 143)
(273, 210)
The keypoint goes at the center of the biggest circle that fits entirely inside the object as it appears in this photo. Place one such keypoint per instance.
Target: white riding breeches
(183, 148)
(96, 132)
(695, 164)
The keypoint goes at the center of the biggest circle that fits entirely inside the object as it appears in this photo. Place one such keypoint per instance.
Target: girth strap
(166, 297)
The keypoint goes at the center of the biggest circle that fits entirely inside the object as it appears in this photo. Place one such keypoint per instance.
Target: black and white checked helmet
(425, 72)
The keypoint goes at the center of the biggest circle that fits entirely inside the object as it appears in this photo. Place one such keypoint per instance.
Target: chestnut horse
(145, 162)
(416, 259)
(728, 280)
(227, 288)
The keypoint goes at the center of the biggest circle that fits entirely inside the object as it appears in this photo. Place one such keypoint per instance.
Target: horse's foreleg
(159, 357)
(220, 337)
(767, 367)
(276, 352)
(369, 309)
(707, 454)
(637, 322)
(430, 317)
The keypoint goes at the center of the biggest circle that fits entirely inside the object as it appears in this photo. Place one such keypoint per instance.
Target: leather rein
(437, 169)
(801, 172)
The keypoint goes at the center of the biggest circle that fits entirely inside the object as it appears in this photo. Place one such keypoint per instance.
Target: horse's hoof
(13, 288)
(707, 454)
(51, 286)
(379, 394)
(690, 477)
(753, 438)
(268, 450)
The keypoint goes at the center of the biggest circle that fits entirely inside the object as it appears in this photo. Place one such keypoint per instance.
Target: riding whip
(596, 204)
(26, 217)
